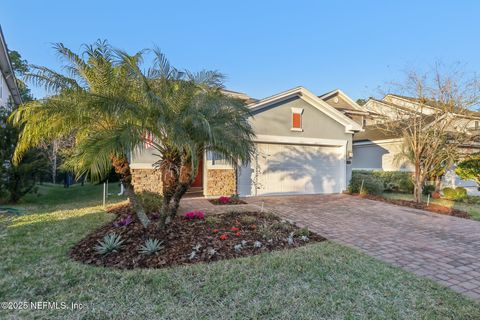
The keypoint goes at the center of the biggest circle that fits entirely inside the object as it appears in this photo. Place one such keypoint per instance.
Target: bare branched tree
(435, 120)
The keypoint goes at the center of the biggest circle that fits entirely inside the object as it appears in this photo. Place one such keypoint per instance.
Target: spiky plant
(111, 242)
(151, 246)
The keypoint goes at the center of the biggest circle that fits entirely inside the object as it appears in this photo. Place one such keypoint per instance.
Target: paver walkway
(443, 248)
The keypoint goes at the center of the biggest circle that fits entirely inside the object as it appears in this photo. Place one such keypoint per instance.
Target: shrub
(303, 232)
(391, 181)
(428, 189)
(212, 220)
(365, 183)
(195, 214)
(123, 222)
(110, 243)
(248, 219)
(150, 201)
(458, 193)
(151, 246)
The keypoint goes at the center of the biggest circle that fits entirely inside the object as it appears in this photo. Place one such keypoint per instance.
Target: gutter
(7, 70)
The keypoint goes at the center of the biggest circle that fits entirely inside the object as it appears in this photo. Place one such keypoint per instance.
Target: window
(297, 124)
(364, 122)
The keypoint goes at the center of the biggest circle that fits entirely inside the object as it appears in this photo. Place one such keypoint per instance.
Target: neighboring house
(303, 146)
(8, 85)
(377, 150)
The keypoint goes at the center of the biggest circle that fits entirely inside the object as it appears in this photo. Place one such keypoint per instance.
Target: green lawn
(472, 209)
(323, 280)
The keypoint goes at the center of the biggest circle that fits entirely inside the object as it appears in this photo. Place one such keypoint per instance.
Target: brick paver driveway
(445, 249)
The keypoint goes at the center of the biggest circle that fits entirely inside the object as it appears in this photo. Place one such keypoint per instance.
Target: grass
(471, 208)
(317, 281)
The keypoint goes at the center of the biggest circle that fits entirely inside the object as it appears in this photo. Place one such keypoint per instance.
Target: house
(8, 85)
(303, 146)
(377, 150)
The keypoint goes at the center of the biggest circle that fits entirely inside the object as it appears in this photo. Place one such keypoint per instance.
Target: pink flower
(195, 214)
(223, 237)
(238, 234)
(234, 229)
(224, 200)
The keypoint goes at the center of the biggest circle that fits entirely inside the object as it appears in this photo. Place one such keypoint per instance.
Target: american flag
(147, 139)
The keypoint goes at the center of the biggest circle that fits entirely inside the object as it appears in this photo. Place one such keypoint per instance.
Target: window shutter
(296, 120)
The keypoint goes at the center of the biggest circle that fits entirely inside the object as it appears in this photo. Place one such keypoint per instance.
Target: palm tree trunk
(137, 207)
(185, 180)
(169, 185)
(122, 168)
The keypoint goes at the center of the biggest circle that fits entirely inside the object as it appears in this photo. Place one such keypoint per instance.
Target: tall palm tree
(93, 96)
(108, 102)
(188, 114)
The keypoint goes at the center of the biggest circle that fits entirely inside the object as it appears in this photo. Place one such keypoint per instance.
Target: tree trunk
(185, 180)
(122, 167)
(438, 183)
(418, 184)
(54, 160)
(169, 175)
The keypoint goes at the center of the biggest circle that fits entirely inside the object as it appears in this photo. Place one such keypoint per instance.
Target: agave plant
(110, 243)
(151, 246)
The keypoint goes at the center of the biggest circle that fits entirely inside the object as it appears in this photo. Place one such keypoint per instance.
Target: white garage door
(293, 169)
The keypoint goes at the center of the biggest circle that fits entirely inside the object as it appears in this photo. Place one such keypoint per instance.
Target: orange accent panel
(296, 120)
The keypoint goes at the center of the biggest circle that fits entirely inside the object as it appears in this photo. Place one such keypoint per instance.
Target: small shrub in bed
(150, 246)
(428, 189)
(195, 214)
(110, 243)
(457, 193)
(150, 201)
(365, 183)
(223, 200)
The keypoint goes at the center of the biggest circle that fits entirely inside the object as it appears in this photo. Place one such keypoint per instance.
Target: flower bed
(227, 201)
(432, 207)
(191, 238)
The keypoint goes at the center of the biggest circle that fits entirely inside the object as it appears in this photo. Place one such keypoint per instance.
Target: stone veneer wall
(221, 182)
(147, 180)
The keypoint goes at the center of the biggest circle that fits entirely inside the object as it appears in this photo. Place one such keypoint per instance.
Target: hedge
(457, 193)
(380, 181)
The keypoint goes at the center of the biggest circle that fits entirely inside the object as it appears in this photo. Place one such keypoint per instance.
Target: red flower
(215, 230)
(194, 214)
(234, 229)
(223, 237)
(238, 234)
(224, 200)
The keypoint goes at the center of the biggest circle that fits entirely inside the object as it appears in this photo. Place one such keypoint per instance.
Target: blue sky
(263, 47)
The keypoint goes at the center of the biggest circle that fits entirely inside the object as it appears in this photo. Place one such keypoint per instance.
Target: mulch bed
(184, 234)
(231, 201)
(432, 207)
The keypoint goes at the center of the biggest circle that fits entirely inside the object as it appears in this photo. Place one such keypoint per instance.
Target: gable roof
(430, 104)
(238, 95)
(7, 70)
(309, 97)
(354, 106)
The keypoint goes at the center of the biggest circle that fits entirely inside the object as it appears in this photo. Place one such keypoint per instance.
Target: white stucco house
(8, 85)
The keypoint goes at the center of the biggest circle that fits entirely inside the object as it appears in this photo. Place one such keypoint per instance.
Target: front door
(198, 182)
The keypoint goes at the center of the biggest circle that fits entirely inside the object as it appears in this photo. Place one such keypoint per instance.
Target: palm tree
(92, 98)
(188, 114)
(107, 103)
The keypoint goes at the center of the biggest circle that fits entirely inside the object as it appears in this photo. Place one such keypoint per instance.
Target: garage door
(293, 169)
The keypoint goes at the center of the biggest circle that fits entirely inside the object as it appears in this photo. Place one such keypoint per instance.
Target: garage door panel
(294, 169)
